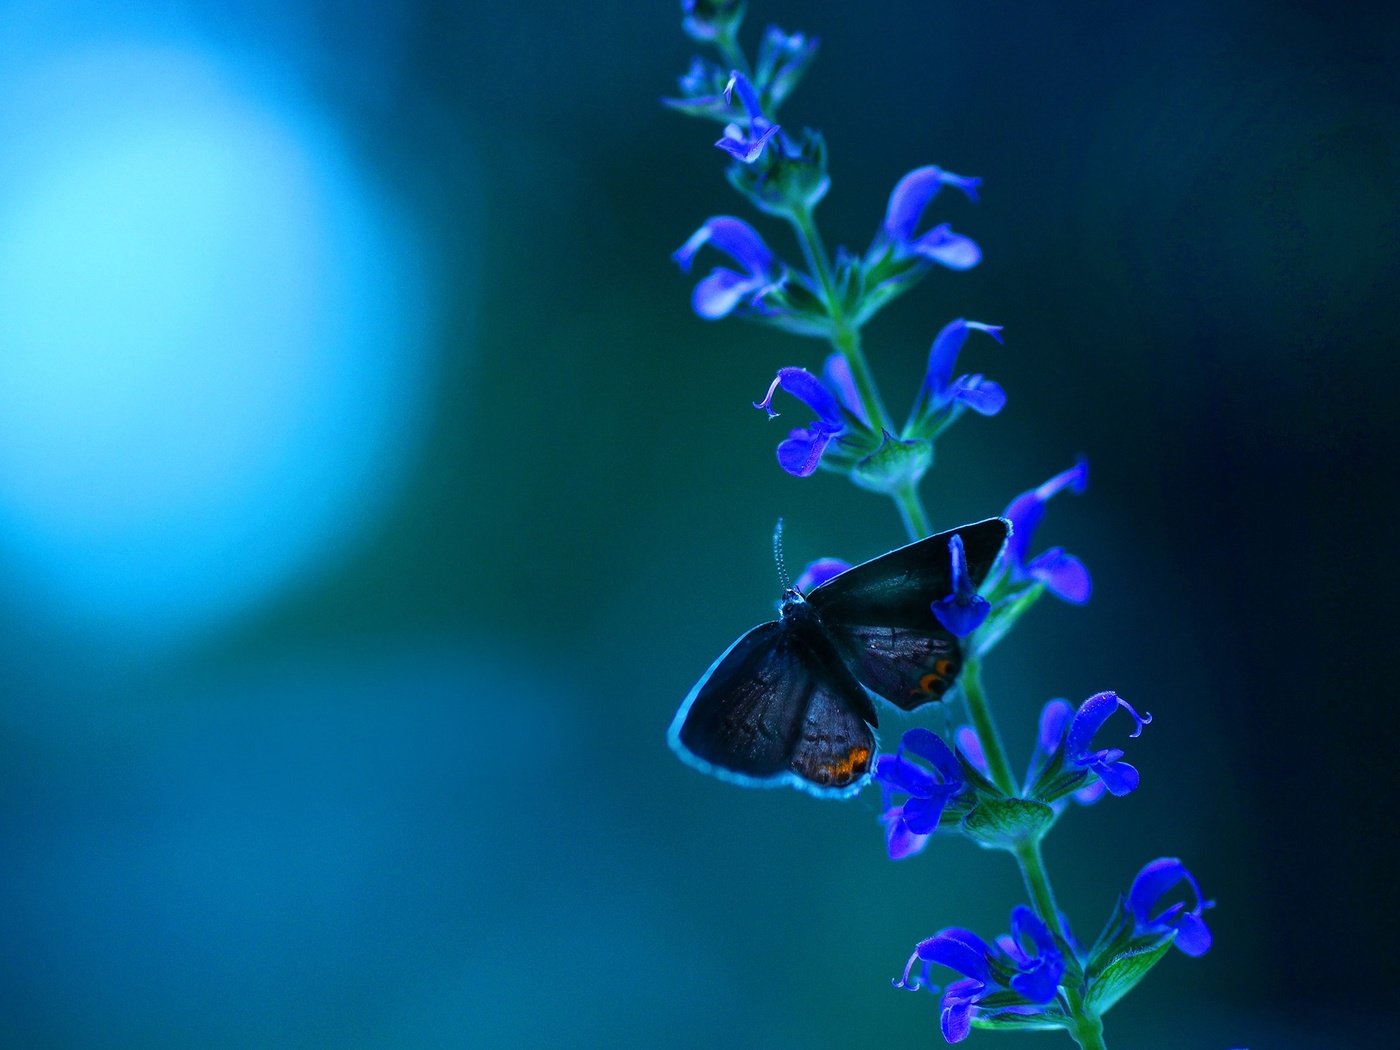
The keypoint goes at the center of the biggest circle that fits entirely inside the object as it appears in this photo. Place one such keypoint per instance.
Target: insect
(790, 701)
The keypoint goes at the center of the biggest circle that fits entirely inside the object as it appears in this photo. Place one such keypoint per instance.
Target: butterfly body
(790, 701)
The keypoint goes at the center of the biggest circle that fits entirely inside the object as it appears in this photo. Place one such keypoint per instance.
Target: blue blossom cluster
(1038, 975)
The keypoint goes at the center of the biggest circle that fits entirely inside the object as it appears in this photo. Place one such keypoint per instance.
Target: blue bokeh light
(212, 339)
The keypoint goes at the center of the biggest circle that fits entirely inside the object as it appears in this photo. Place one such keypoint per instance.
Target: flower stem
(911, 509)
(845, 337)
(1088, 1028)
(970, 681)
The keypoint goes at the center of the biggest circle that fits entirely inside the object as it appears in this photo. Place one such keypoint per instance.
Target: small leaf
(1007, 822)
(1115, 979)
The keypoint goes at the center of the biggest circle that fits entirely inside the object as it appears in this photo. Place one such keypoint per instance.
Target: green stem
(970, 680)
(911, 509)
(732, 54)
(845, 337)
(1088, 1028)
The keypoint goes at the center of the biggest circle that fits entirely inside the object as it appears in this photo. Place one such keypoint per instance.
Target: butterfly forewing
(896, 589)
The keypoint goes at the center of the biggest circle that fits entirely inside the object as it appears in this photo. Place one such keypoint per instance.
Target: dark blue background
(419, 796)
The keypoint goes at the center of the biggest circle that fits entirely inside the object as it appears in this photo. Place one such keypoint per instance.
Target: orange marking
(844, 770)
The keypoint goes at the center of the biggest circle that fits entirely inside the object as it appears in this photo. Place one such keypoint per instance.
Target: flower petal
(1152, 883)
(912, 194)
(961, 614)
(960, 950)
(951, 249)
(1192, 934)
(802, 451)
(1064, 574)
(1026, 510)
(808, 389)
(983, 396)
(899, 840)
(929, 746)
(717, 295)
(921, 814)
(1053, 718)
(735, 238)
(836, 374)
(818, 572)
(955, 1018)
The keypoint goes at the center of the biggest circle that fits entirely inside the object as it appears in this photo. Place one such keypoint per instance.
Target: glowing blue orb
(211, 341)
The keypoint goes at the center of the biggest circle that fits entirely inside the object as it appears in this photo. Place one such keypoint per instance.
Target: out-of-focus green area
(370, 497)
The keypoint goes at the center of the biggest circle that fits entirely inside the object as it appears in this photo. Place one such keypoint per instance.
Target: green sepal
(887, 275)
(795, 307)
(895, 465)
(1110, 977)
(1049, 1016)
(1057, 781)
(1005, 823)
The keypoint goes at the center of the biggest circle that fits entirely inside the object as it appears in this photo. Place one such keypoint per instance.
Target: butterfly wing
(772, 711)
(879, 617)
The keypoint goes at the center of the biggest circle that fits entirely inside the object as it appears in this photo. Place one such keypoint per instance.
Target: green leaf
(1118, 976)
(1005, 823)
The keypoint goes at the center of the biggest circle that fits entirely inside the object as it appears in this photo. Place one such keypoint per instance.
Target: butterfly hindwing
(907, 667)
(773, 709)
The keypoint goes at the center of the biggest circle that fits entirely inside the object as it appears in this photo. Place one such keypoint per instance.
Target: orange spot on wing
(851, 765)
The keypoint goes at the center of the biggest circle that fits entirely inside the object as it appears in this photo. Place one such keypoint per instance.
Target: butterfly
(790, 701)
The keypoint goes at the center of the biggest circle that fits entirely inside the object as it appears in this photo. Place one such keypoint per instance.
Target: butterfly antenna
(778, 555)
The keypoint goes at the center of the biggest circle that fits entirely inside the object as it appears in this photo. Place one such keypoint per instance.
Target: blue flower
(962, 611)
(802, 451)
(706, 20)
(746, 146)
(940, 389)
(1107, 764)
(1022, 972)
(818, 572)
(782, 59)
(940, 244)
(723, 290)
(1144, 903)
(702, 92)
(1062, 753)
(926, 790)
(1063, 573)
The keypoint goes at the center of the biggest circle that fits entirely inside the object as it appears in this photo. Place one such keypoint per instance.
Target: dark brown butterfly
(790, 701)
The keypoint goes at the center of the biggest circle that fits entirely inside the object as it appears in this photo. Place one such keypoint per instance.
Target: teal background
(412, 789)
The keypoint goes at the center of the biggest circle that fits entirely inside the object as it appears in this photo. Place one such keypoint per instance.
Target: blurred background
(370, 497)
